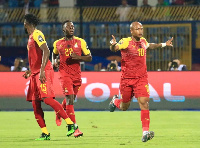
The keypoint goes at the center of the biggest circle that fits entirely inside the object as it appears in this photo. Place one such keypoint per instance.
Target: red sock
(145, 118)
(39, 114)
(56, 106)
(70, 112)
(117, 102)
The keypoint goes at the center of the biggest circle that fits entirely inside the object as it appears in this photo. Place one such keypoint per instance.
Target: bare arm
(45, 59)
(86, 58)
(113, 46)
(154, 46)
(54, 56)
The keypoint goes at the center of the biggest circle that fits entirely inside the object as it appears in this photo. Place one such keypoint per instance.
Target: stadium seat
(182, 30)
(46, 29)
(23, 42)
(58, 30)
(100, 29)
(10, 41)
(164, 30)
(7, 30)
(124, 29)
(180, 41)
(112, 29)
(77, 30)
(19, 30)
(153, 30)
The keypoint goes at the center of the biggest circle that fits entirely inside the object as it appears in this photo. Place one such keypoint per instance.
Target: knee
(70, 100)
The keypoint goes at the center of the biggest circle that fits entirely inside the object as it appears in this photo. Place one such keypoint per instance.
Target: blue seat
(58, 30)
(77, 30)
(19, 30)
(46, 29)
(112, 29)
(6, 30)
(164, 30)
(124, 29)
(100, 29)
(180, 41)
(23, 42)
(10, 41)
(153, 30)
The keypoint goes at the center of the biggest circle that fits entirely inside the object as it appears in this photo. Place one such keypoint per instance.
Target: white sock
(145, 132)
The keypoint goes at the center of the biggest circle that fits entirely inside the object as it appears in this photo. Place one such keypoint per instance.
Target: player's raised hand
(169, 42)
(42, 77)
(27, 74)
(113, 41)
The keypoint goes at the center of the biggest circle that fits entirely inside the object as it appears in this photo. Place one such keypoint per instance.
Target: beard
(25, 30)
(69, 36)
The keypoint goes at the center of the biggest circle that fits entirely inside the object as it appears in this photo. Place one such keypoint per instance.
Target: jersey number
(43, 88)
(68, 51)
(141, 51)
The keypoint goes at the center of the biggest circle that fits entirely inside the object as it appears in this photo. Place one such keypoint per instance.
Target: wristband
(163, 44)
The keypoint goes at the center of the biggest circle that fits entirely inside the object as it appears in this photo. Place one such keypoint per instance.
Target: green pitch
(177, 129)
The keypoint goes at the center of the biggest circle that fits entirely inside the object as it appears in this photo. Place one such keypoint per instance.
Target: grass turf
(178, 129)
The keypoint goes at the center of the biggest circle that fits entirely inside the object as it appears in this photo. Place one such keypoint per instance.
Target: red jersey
(64, 48)
(36, 39)
(133, 63)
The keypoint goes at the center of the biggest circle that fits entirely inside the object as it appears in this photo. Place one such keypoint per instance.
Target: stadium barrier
(168, 90)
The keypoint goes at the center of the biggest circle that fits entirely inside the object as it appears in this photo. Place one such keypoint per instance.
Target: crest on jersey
(40, 38)
(76, 45)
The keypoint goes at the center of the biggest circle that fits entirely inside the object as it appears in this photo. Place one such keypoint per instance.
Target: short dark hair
(63, 23)
(32, 19)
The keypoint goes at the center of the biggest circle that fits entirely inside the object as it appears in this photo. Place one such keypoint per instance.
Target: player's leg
(142, 94)
(47, 93)
(145, 118)
(60, 111)
(39, 116)
(126, 96)
(58, 118)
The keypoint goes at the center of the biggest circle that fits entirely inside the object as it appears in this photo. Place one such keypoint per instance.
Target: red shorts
(137, 87)
(70, 85)
(37, 90)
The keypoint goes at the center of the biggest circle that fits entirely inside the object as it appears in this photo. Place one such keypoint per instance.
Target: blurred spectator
(113, 66)
(19, 65)
(53, 11)
(12, 3)
(145, 3)
(146, 10)
(123, 11)
(161, 3)
(2, 3)
(175, 65)
(177, 2)
(0, 58)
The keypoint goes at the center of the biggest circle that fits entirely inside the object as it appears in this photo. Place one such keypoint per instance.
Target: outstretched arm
(113, 46)
(154, 46)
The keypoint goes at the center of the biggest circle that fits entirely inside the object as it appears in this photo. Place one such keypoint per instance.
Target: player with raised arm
(70, 49)
(134, 78)
(41, 77)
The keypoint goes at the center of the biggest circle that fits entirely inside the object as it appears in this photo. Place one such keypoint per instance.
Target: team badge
(40, 38)
(76, 45)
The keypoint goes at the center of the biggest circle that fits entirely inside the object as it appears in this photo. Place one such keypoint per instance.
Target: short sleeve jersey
(64, 48)
(36, 39)
(133, 63)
